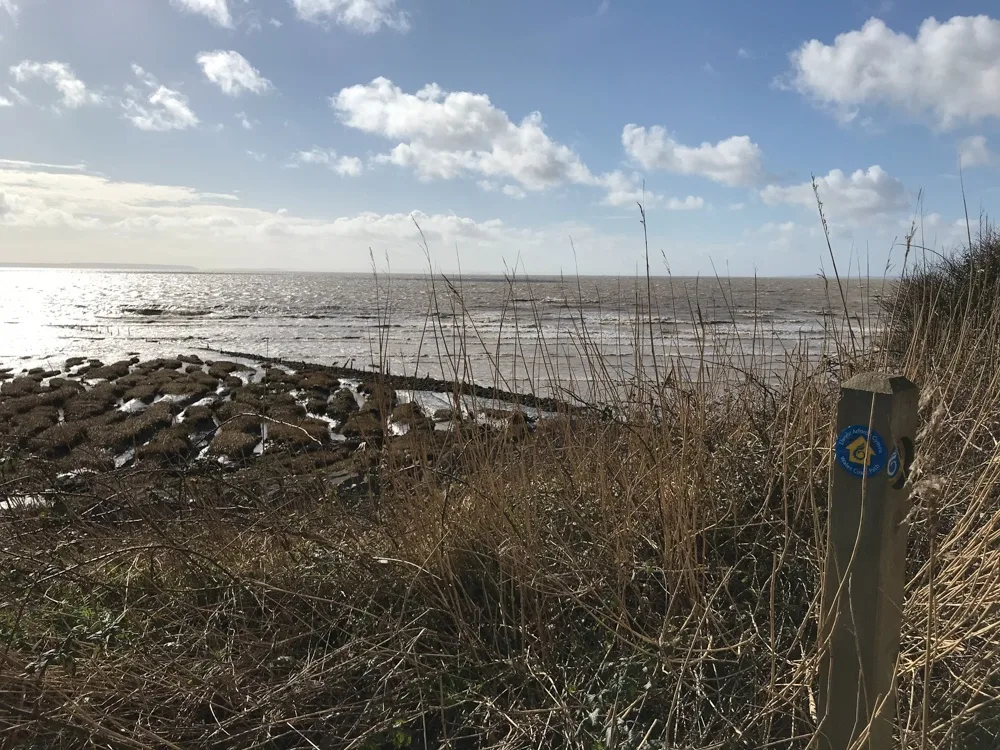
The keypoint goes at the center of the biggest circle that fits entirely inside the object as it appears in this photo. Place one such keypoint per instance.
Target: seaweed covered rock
(364, 425)
(342, 405)
(412, 416)
(110, 372)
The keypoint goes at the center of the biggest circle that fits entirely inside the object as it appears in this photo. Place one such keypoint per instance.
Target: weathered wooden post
(865, 562)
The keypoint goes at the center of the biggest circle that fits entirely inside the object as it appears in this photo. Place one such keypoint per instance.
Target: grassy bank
(594, 582)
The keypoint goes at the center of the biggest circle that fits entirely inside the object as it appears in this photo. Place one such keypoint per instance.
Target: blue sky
(299, 133)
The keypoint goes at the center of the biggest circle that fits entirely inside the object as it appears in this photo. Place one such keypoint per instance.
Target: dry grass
(643, 575)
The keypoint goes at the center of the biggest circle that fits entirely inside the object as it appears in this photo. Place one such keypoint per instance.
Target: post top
(879, 382)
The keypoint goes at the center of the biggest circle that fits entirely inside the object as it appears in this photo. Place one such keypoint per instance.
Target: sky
(495, 136)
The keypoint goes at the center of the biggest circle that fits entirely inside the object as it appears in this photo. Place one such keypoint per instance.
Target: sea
(534, 334)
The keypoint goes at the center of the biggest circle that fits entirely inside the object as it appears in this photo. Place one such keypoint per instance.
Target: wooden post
(865, 562)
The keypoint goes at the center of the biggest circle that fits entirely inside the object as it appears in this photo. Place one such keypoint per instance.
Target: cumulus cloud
(232, 73)
(345, 166)
(849, 199)
(445, 135)
(5, 102)
(72, 91)
(626, 190)
(974, 152)
(733, 161)
(365, 16)
(948, 74)
(256, 156)
(158, 108)
(216, 11)
(11, 7)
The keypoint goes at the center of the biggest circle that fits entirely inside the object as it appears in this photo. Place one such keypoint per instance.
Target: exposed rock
(342, 405)
(316, 406)
(144, 393)
(233, 443)
(198, 419)
(135, 430)
(364, 425)
(169, 445)
(110, 372)
(411, 415)
(221, 369)
(94, 402)
(307, 434)
(20, 387)
(318, 381)
(380, 398)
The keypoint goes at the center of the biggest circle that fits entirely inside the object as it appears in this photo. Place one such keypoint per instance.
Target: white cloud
(16, 93)
(708, 68)
(5, 102)
(737, 206)
(847, 199)
(513, 191)
(275, 23)
(934, 231)
(232, 73)
(744, 53)
(73, 92)
(365, 16)
(216, 11)
(245, 122)
(626, 190)
(949, 73)
(163, 109)
(258, 157)
(18, 164)
(105, 219)
(345, 166)
(603, 7)
(348, 166)
(733, 161)
(974, 152)
(691, 203)
(445, 135)
(11, 7)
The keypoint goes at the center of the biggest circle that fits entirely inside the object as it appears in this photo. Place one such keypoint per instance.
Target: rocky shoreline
(427, 384)
(237, 412)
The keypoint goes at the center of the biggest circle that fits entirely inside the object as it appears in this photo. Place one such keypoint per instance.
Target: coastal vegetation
(237, 553)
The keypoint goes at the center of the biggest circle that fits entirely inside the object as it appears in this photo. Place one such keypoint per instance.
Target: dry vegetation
(644, 576)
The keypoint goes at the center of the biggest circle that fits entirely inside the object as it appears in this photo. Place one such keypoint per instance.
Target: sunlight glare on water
(51, 314)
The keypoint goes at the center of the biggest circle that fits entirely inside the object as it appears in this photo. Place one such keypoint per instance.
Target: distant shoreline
(100, 267)
(153, 268)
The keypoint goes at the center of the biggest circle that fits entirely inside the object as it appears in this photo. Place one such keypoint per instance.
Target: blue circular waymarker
(893, 467)
(860, 451)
